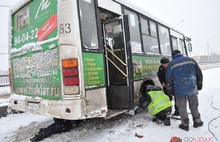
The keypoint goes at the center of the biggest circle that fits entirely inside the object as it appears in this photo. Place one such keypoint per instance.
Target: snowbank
(5, 90)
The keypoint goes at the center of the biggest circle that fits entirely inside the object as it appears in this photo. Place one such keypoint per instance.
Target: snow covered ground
(4, 90)
(20, 127)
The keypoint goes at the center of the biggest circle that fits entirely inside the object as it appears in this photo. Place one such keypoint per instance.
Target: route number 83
(65, 28)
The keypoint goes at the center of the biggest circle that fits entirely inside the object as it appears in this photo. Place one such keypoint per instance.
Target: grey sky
(201, 22)
(4, 12)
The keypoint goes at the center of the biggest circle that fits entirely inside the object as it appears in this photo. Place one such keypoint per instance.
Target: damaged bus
(81, 59)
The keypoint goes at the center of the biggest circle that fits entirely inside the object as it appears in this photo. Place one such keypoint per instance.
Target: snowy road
(20, 127)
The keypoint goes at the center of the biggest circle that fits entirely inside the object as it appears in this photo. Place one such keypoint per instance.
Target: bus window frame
(162, 25)
(100, 44)
(140, 29)
(149, 21)
(183, 47)
(138, 17)
(171, 38)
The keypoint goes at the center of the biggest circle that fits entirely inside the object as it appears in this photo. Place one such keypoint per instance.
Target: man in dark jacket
(184, 79)
(162, 78)
(157, 103)
(162, 73)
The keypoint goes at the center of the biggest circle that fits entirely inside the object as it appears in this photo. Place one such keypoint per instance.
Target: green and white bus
(80, 59)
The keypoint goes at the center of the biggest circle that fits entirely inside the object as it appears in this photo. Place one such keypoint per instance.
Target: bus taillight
(68, 63)
(70, 81)
(70, 74)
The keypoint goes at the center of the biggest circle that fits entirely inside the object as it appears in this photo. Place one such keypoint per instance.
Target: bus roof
(126, 3)
(145, 12)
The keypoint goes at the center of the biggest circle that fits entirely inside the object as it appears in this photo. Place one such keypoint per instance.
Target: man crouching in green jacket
(158, 104)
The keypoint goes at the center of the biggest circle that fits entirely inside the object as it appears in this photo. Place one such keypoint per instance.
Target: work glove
(199, 85)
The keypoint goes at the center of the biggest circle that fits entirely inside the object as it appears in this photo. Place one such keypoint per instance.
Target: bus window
(150, 42)
(189, 47)
(153, 29)
(145, 27)
(164, 40)
(88, 28)
(182, 46)
(174, 42)
(135, 39)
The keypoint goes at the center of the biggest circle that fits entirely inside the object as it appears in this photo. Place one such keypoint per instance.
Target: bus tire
(143, 91)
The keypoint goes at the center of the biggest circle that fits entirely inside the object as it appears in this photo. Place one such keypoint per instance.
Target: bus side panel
(145, 67)
(91, 65)
(70, 43)
(96, 103)
(93, 70)
(35, 54)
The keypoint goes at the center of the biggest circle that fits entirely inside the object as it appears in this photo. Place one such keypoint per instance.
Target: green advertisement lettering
(35, 53)
(93, 70)
(145, 66)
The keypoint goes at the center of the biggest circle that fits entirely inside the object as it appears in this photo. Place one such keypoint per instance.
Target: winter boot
(184, 125)
(197, 123)
(167, 120)
(157, 120)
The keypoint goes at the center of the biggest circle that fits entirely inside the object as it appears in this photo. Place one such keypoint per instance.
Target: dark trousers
(175, 106)
(193, 106)
(164, 113)
(171, 98)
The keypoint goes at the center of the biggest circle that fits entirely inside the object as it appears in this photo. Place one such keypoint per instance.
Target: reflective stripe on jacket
(159, 102)
(184, 76)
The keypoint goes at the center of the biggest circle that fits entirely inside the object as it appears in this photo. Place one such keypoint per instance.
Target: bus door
(118, 83)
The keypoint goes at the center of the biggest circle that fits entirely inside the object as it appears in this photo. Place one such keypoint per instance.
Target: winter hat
(175, 52)
(164, 60)
(149, 87)
(152, 87)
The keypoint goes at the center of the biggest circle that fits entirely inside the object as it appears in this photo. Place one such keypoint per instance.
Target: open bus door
(118, 60)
